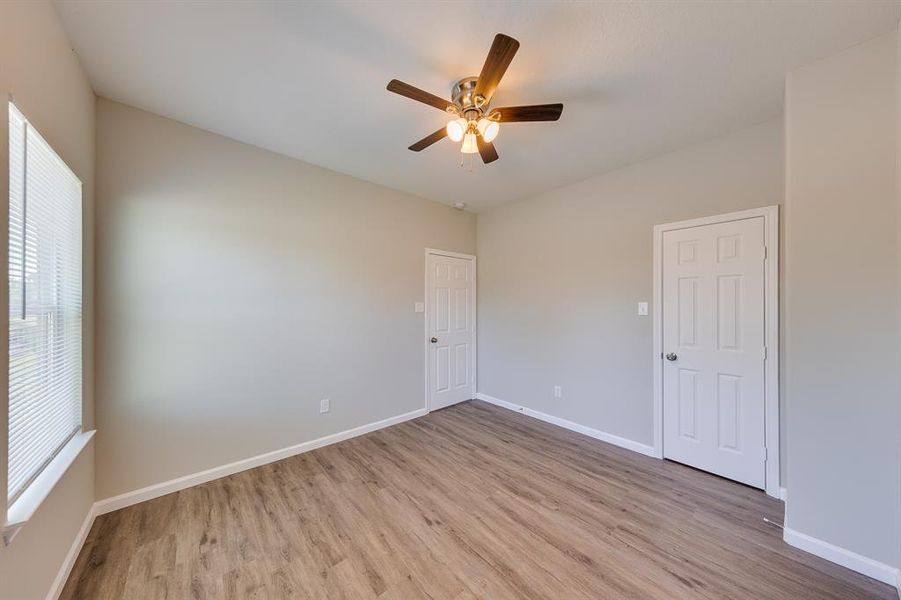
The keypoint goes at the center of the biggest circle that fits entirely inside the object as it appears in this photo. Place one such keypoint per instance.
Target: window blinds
(45, 310)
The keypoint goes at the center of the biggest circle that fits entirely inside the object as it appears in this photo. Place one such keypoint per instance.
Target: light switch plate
(643, 309)
(419, 307)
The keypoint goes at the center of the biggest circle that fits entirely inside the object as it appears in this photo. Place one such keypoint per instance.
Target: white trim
(770, 216)
(856, 562)
(37, 491)
(783, 494)
(572, 426)
(437, 252)
(66, 569)
(167, 487)
(473, 311)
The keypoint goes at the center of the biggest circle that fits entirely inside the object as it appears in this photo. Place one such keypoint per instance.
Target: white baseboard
(180, 483)
(846, 558)
(594, 433)
(63, 575)
(783, 494)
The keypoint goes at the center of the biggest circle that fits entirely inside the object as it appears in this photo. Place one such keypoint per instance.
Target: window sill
(27, 504)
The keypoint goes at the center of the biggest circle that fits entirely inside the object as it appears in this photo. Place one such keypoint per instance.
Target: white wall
(46, 82)
(561, 274)
(238, 288)
(842, 302)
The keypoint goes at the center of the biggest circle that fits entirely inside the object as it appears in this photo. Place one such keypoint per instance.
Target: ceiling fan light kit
(474, 122)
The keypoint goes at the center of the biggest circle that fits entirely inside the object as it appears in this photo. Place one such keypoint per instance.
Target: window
(45, 311)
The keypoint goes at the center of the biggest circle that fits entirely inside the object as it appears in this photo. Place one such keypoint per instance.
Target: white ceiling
(308, 79)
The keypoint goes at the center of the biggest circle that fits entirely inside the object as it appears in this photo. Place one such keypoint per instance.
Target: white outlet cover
(419, 307)
(643, 309)
(324, 406)
(558, 391)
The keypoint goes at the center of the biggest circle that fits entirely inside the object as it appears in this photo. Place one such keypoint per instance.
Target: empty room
(459, 300)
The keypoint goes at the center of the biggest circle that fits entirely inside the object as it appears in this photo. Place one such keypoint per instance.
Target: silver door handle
(434, 340)
(671, 356)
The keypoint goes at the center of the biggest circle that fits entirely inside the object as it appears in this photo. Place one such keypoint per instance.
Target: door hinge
(766, 252)
(766, 453)
(765, 353)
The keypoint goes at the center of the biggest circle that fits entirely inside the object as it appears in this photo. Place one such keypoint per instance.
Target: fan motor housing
(463, 94)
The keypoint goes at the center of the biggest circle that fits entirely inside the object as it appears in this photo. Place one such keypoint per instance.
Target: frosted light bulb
(469, 144)
(456, 129)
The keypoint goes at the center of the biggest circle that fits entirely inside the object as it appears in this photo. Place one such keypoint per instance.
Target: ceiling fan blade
(536, 112)
(414, 93)
(429, 140)
(486, 150)
(503, 49)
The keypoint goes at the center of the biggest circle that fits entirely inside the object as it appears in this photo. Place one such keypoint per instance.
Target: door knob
(671, 356)
(434, 340)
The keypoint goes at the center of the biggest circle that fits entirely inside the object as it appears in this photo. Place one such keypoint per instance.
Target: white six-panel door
(713, 341)
(451, 328)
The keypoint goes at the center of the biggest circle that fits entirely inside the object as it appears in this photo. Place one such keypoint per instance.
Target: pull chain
(463, 161)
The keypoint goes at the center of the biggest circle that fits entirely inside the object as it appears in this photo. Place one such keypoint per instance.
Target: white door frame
(770, 216)
(426, 333)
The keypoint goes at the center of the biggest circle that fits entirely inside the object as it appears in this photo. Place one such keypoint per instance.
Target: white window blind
(45, 308)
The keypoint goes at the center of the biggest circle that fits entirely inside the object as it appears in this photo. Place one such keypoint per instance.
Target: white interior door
(714, 346)
(451, 330)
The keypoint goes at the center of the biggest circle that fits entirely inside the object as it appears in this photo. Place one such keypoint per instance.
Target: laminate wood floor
(468, 502)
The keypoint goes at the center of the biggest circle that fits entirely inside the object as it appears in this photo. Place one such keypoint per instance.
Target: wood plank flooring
(469, 502)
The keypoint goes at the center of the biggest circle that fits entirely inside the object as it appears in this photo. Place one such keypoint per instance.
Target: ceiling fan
(476, 124)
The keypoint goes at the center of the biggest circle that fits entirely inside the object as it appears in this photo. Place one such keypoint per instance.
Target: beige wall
(842, 337)
(46, 82)
(561, 275)
(30, 565)
(238, 288)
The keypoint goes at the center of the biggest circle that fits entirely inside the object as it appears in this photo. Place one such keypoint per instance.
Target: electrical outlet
(558, 391)
(643, 309)
(324, 406)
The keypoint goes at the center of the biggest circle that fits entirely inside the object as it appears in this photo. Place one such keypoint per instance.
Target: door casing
(770, 216)
(426, 321)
